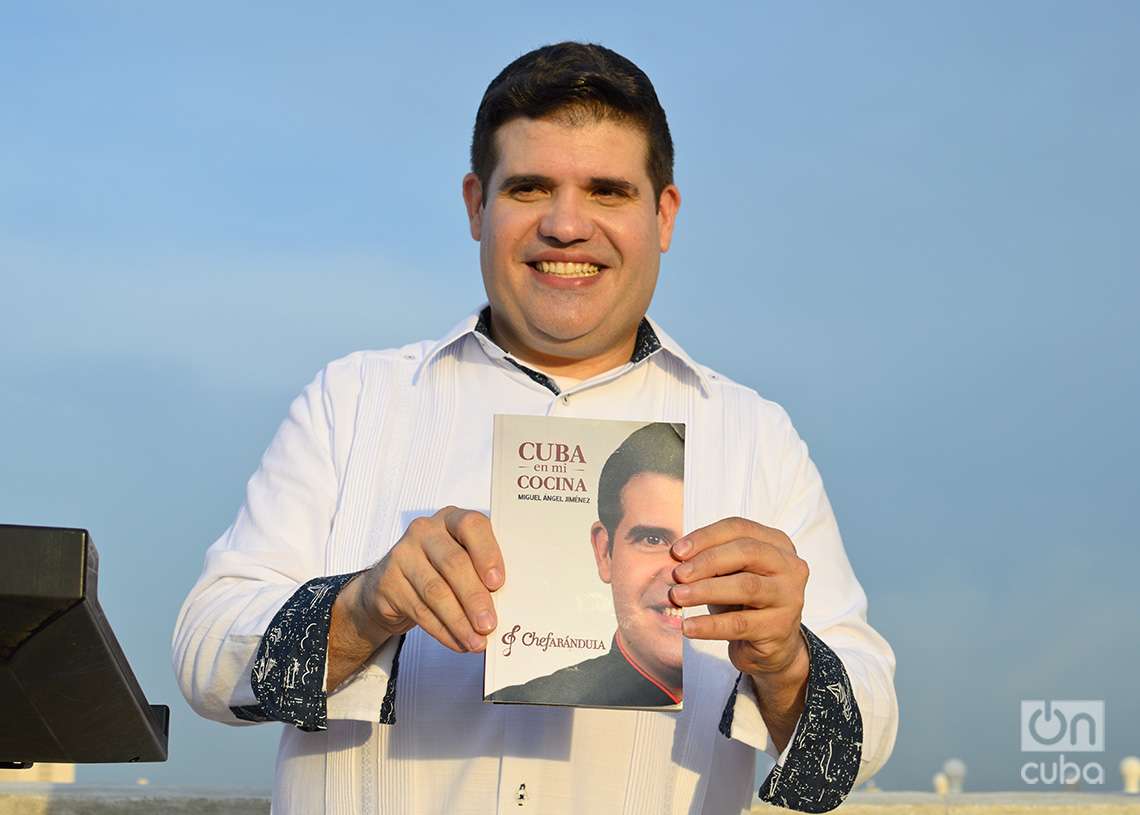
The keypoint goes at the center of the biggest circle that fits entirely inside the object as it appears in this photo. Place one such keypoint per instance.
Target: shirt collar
(651, 338)
(674, 348)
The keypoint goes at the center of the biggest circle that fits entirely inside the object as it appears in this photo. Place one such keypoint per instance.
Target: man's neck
(560, 366)
(671, 686)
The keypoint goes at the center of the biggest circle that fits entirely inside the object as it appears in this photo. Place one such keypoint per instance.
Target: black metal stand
(67, 692)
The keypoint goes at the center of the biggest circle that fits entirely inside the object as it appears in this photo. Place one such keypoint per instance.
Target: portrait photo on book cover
(592, 623)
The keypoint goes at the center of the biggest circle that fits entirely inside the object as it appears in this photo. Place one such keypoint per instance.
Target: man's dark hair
(655, 448)
(573, 80)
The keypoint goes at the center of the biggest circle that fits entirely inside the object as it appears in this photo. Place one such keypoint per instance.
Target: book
(585, 512)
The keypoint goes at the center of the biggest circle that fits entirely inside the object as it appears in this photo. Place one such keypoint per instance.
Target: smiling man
(345, 604)
(571, 230)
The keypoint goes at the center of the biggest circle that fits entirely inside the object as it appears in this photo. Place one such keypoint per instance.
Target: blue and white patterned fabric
(288, 675)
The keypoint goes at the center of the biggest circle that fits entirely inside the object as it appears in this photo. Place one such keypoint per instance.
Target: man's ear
(473, 200)
(668, 203)
(600, 539)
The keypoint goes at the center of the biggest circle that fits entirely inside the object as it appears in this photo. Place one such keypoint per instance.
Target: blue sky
(913, 226)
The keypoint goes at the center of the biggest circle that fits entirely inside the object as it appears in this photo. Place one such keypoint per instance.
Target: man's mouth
(565, 268)
(671, 614)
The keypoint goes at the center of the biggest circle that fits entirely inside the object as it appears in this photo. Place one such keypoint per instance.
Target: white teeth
(563, 269)
(669, 611)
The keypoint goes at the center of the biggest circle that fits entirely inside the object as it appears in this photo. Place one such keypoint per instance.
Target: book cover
(585, 512)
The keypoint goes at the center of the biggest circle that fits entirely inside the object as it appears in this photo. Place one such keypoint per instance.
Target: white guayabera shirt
(382, 437)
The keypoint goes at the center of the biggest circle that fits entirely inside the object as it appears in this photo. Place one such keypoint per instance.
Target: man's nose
(566, 219)
(665, 567)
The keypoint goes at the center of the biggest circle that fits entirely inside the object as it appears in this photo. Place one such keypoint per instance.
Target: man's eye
(526, 191)
(653, 540)
(610, 193)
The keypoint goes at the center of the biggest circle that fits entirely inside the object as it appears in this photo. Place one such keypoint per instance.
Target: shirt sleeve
(291, 665)
(847, 730)
(288, 674)
(266, 574)
(821, 760)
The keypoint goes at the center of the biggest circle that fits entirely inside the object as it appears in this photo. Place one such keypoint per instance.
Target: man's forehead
(643, 488)
(585, 148)
(660, 507)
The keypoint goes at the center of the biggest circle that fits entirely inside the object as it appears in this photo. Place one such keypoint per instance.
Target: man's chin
(566, 339)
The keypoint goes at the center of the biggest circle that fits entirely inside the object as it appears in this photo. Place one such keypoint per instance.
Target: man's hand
(753, 582)
(438, 576)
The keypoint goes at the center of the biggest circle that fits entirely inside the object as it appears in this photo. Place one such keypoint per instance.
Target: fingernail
(682, 571)
(485, 620)
(476, 643)
(682, 547)
(494, 578)
(681, 592)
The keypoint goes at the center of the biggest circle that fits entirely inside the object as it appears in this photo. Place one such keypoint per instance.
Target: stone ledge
(30, 798)
(67, 799)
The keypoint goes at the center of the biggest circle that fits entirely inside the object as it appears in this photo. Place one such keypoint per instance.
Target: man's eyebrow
(628, 187)
(526, 180)
(536, 180)
(644, 530)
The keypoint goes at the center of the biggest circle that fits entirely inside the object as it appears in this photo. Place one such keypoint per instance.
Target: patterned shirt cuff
(388, 704)
(822, 760)
(288, 675)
